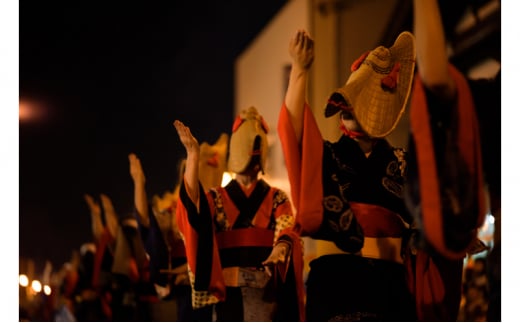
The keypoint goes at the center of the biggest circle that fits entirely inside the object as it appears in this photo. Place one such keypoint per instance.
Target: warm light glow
(23, 280)
(26, 111)
(226, 178)
(32, 111)
(36, 286)
(47, 289)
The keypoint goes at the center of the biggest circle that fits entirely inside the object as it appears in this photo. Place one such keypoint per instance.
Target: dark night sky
(108, 81)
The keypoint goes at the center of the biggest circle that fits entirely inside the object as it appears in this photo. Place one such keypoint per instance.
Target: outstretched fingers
(186, 137)
(183, 131)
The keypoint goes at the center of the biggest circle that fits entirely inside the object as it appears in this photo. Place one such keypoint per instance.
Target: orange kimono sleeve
(435, 276)
(468, 143)
(304, 167)
(202, 255)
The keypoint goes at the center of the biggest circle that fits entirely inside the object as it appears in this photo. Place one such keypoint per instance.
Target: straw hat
(378, 89)
(247, 127)
(212, 162)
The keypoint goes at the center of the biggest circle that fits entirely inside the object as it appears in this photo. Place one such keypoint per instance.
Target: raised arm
(191, 173)
(95, 217)
(111, 217)
(432, 55)
(140, 199)
(301, 49)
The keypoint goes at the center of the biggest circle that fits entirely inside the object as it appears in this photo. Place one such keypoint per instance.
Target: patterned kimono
(226, 242)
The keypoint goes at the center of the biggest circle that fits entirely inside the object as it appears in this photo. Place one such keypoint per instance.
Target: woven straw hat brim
(241, 145)
(376, 109)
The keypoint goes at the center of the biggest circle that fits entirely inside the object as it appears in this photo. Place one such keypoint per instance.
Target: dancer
(348, 194)
(230, 232)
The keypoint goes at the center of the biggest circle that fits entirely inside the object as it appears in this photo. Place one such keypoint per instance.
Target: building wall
(261, 74)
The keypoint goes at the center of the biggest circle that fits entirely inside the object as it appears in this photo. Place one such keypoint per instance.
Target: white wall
(260, 78)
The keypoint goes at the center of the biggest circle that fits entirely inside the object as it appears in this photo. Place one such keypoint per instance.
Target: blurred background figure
(164, 246)
(475, 291)
(454, 174)
(161, 236)
(120, 272)
(212, 162)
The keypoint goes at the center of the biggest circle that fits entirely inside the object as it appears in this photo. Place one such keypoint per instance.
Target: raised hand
(191, 173)
(140, 198)
(95, 216)
(187, 139)
(110, 215)
(301, 49)
(136, 170)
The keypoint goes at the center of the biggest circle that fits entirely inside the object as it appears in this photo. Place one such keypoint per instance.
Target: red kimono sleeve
(435, 277)
(304, 167)
(202, 255)
(468, 143)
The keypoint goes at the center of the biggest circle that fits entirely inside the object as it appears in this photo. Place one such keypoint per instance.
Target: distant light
(47, 289)
(24, 111)
(32, 111)
(226, 178)
(36, 286)
(490, 219)
(23, 280)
